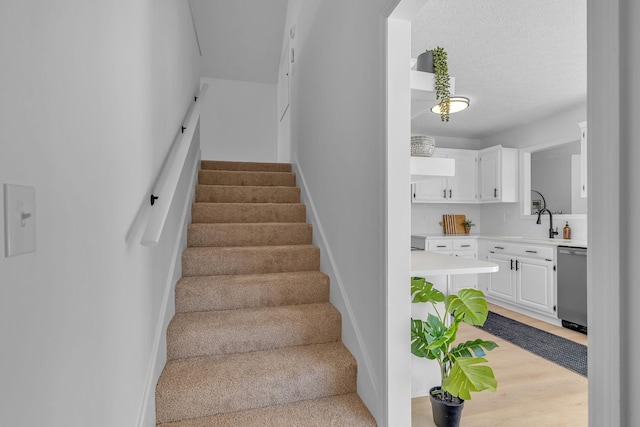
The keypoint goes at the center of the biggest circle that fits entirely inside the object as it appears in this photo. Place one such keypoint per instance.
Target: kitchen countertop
(515, 239)
(425, 263)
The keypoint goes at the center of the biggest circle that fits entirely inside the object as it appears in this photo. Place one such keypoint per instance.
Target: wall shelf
(427, 167)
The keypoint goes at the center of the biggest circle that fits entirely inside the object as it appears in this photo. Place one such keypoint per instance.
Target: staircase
(254, 341)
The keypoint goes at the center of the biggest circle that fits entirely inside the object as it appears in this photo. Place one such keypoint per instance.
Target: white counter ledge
(559, 241)
(425, 263)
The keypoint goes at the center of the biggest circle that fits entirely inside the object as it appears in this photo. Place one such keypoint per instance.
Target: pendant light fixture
(457, 104)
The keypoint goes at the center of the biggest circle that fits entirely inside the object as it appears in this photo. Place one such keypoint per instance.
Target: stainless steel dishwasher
(572, 287)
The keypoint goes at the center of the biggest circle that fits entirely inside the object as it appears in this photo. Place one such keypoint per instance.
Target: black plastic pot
(425, 62)
(446, 414)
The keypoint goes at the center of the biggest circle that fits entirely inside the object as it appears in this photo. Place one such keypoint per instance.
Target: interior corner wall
(239, 121)
(93, 94)
(337, 137)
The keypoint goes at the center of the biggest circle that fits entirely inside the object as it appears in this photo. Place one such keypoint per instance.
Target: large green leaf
(422, 291)
(420, 339)
(473, 348)
(426, 336)
(468, 306)
(467, 376)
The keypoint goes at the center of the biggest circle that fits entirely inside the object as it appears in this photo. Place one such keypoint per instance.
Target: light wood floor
(531, 390)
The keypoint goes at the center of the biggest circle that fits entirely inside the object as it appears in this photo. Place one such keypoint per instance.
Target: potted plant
(435, 61)
(467, 224)
(462, 368)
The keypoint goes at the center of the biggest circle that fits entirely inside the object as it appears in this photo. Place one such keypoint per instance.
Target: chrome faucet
(552, 232)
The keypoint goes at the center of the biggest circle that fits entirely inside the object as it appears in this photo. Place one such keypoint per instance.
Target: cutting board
(453, 224)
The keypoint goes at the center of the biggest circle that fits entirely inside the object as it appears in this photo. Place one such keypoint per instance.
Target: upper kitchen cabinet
(498, 174)
(583, 159)
(461, 188)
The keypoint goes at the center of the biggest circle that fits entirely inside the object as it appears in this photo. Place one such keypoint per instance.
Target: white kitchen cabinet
(460, 247)
(502, 284)
(498, 174)
(535, 279)
(461, 188)
(526, 276)
(583, 159)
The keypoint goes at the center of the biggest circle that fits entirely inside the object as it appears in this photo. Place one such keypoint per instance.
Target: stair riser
(211, 388)
(252, 260)
(234, 194)
(247, 213)
(278, 179)
(235, 292)
(241, 331)
(342, 410)
(245, 166)
(219, 235)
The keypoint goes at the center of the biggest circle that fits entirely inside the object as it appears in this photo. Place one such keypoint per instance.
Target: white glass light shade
(456, 104)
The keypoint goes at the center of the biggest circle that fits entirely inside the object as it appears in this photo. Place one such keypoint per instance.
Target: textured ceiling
(240, 39)
(517, 60)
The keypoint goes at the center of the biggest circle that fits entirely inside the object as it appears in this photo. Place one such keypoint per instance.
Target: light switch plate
(19, 219)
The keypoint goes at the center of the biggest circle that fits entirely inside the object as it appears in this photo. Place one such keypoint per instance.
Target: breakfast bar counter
(425, 263)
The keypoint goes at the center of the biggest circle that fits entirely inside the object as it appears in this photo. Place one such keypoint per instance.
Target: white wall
(337, 110)
(239, 121)
(562, 127)
(552, 177)
(92, 96)
(627, 194)
(425, 217)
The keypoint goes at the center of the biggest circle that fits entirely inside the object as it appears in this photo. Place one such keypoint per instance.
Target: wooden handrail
(165, 186)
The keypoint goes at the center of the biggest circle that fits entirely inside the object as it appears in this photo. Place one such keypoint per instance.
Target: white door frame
(607, 358)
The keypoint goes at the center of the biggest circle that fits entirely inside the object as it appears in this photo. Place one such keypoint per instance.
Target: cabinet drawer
(521, 250)
(497, 247)
(546, 252)
(465, 244)
(440, 245)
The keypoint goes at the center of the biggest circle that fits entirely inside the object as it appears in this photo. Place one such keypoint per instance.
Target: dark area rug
(561, 351)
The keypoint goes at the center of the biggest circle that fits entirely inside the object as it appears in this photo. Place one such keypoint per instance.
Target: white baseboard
(147, 411)
(357, 347)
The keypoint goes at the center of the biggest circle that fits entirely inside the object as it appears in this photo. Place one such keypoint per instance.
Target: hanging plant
(441, 70)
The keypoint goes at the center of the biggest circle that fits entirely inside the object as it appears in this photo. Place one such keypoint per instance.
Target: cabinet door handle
(450, 194)
(512, 264)
(495, 192)
(532, 252)
(498, 247)
(516, 265)
(441, 246)
(465, 246)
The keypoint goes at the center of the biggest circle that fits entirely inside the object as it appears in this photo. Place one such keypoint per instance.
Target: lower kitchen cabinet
(525, 277)
(502, 284)
(460, 247)
(535, 284)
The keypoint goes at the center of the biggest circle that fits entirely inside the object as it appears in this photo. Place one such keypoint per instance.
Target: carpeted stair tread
(208, 261)
(248, 212)
(246, 194)
(202, 293)
(203, 386)
(245, 166)
(207, 333)
(340, 411)
(251, 178)
(249, 234)
(254, 340)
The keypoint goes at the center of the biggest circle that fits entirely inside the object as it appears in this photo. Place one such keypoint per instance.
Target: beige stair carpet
(254, 341)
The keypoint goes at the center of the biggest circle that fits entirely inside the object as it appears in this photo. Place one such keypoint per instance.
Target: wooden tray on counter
(453, 224)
